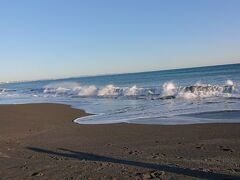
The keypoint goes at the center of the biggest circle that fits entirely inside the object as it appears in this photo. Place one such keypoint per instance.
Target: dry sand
(40, 141)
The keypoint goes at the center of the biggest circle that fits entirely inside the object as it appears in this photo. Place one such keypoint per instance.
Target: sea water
(181, 96)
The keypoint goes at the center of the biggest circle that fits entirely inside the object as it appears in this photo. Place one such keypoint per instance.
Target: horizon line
(112, 74)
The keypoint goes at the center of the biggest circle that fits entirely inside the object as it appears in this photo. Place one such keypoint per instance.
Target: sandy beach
(40, 141)
(119, 90)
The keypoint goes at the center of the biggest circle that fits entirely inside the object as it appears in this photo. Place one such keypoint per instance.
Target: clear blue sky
(61, 38)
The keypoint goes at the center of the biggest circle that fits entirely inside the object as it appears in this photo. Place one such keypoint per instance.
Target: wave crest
(168, 90)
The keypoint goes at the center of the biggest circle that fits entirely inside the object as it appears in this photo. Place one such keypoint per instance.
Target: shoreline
(41, 140)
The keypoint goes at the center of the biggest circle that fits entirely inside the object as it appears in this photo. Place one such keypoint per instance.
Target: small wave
(70, 89)
(7, 90)
(75, 89)
(8, 93)
(221, 114)
(229, 89)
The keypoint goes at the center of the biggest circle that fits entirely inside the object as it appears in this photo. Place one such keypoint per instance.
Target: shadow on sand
(172, 169)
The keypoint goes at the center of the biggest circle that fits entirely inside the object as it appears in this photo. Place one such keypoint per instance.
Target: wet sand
(40, 141)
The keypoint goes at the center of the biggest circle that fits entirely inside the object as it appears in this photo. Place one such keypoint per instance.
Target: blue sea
(181, 96)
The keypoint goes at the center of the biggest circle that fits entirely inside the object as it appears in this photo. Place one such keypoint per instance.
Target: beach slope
(41, 141)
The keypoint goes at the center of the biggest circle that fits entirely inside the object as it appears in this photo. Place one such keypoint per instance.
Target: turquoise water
(182, 96)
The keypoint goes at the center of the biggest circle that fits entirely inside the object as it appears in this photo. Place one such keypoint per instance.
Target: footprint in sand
(37, 174)
(131, 152)
(151, 175)
(134, 152)
(226, 149)
(201, 147)
(4, 155)
(158, 155)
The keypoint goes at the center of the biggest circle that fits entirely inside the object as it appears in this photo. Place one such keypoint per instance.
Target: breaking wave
(168, 90)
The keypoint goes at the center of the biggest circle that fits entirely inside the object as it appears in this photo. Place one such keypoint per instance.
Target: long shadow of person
(173, 169)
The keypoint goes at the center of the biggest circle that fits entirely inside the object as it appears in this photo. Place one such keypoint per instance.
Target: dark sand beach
(40, 141)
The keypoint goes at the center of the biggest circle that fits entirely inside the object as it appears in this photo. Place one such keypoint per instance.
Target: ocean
(182, 96)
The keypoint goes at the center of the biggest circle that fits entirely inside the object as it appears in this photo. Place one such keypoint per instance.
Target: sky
(64, 38)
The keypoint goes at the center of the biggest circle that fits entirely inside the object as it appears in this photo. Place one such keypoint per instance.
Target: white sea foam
(132, 91)
(87, 91)
(200, 90)
(229, 83)
(187, 95)
(109, 90)
(169, 89)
